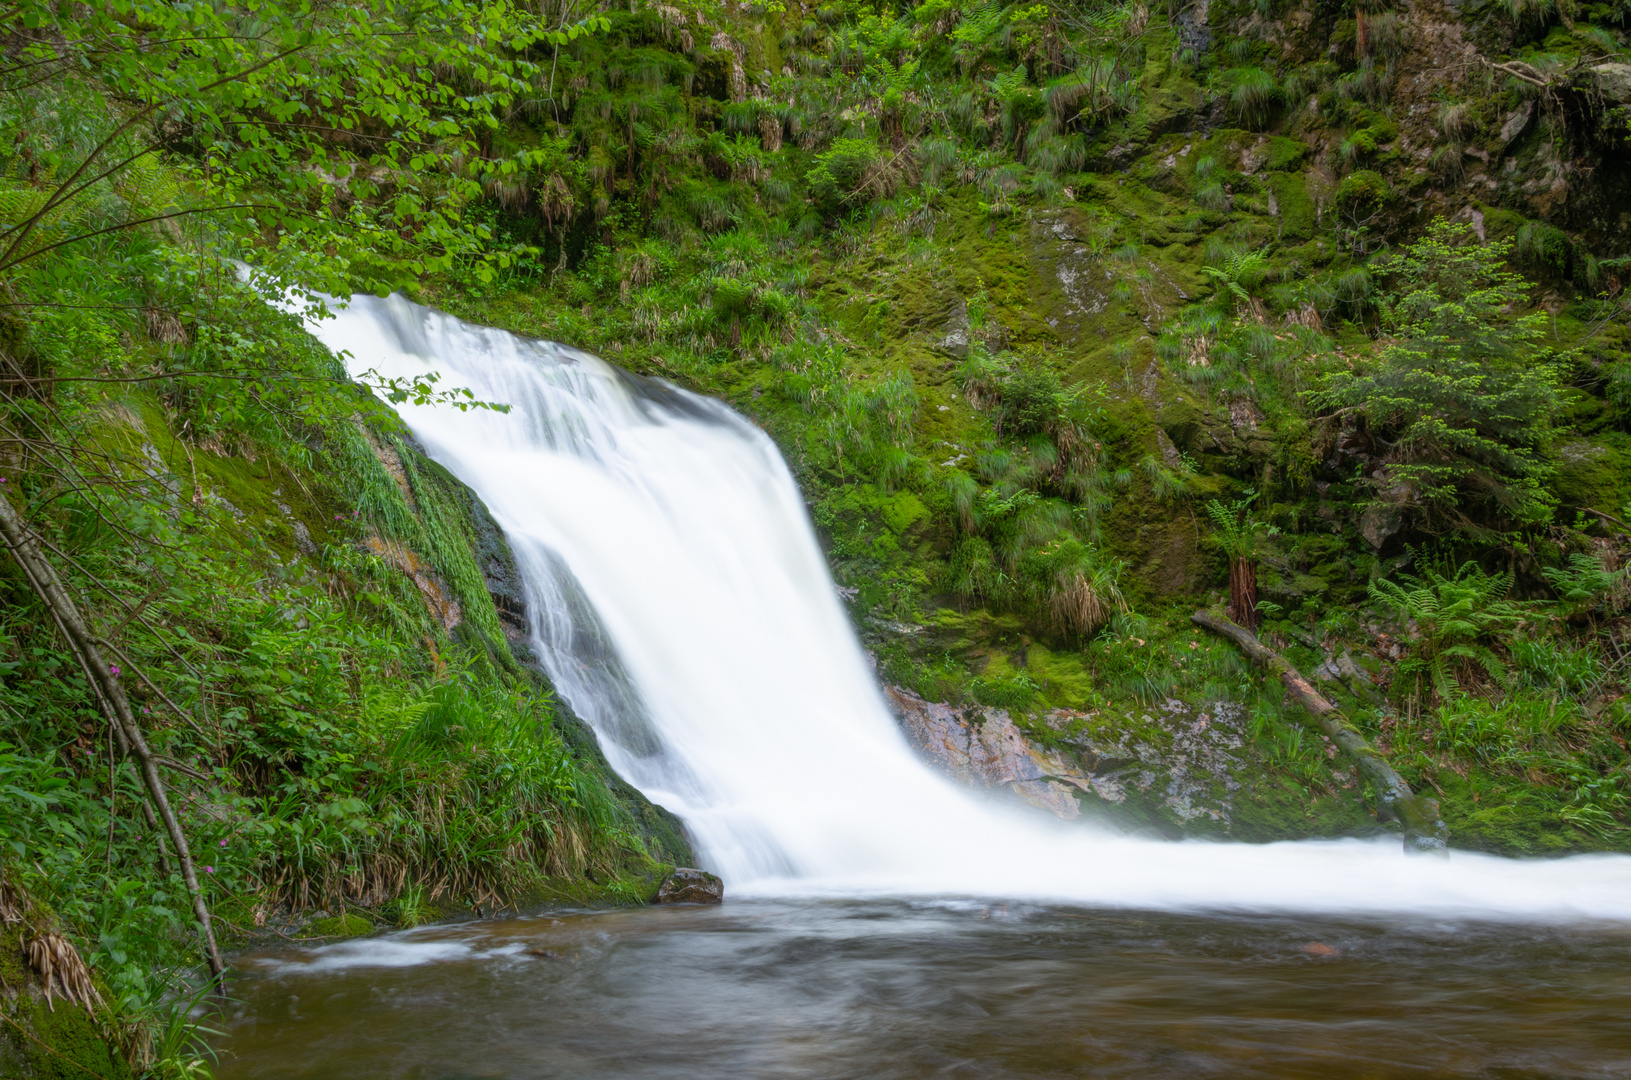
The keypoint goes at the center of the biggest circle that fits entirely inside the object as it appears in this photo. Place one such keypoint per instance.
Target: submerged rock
(688, 885)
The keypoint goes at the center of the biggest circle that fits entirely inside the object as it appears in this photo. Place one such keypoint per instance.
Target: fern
(1585, 584)
(1453, 614)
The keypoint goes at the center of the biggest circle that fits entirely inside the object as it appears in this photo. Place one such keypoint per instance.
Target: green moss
(1364, 188)
(1284, 154)
(1507, 817)
(1276, 808)
(1595, 472)
(635, 883)
(41, 1042)
(1297, 217)
(348, 925)
(1063, 677)
(904, 510)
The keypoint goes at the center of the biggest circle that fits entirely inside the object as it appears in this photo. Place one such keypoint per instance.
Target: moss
(348, 925)
(1508, 817)
(1064, 679)
(1284, 154)
(1276, 808)
(1596, 472)
(41, 1042)
(1364, 188)
(636, 883)
(1297, 217)
(904, 510)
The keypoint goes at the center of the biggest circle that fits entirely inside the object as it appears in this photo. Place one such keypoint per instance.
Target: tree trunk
(1423, 829)
(1243, 592)
(110, 693)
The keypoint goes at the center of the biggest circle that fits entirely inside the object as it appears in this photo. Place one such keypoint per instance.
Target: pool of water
(887, 988)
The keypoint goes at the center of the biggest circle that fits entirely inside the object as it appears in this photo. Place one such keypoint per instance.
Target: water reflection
(910, 989)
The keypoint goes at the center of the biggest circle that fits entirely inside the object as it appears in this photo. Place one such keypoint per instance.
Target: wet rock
(543, 954)
(986, 750)
(688, 885)
(1194, 29)
(1184, 760)
(1516, 124)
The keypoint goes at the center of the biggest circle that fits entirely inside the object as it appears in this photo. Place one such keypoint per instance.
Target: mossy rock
(1284, 154)
(1296, 209)
(1595, 473)
(1364, 188)
(349, 925)
(635, 884)
(49, 1042)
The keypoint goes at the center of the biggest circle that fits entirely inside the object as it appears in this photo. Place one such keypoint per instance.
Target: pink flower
(209, 869)
(223, 843)
(113, 669)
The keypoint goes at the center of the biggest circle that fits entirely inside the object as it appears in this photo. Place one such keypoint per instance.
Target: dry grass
(62, 971)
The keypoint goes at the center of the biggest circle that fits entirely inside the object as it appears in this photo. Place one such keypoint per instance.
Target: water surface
(920, 988)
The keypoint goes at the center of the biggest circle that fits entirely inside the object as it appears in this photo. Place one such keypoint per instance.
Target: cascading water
(681, 605)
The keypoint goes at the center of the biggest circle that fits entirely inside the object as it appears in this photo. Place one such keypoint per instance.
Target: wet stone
(687, 885)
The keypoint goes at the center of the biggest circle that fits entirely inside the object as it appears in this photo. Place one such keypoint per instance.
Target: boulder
(688, 885)
(1613, 81)
(988, 751)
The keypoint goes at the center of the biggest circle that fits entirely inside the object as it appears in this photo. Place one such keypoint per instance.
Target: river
(898, 988)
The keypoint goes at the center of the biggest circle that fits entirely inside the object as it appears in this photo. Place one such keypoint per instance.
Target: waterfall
(680, 603)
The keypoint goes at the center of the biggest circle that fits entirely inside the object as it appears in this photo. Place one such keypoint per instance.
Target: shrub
(843, 177)
(1463, 391)
(1032, 401)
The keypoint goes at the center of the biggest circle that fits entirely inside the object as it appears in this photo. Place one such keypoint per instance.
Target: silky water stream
(881, 921)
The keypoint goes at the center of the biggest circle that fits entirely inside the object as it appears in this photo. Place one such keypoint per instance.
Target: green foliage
(1463, 389)
(845, 175)
(1240, 273)
(1030, 401)
(1584, 584)
(1557, 666)
(1238, 532)
(260, 102)
(1015, 692)
(1454, 614)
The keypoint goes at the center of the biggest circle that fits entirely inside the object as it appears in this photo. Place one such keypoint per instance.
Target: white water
(681, 605)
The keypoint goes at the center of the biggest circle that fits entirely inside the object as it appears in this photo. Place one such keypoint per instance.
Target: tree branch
(111, 695)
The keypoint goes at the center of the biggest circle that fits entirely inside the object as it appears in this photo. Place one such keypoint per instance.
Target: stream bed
(887, 988)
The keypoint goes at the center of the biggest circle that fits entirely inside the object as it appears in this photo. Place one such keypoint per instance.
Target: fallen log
(1424, 830)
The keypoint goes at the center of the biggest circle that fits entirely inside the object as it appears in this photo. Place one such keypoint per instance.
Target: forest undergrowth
(1070, 318)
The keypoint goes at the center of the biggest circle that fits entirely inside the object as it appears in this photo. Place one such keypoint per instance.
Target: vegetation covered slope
(1069, 316)
(1073, 316)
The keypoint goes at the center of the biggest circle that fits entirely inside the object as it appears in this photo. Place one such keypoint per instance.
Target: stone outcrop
(983, 749)
(1181, 763)
(688, 885)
